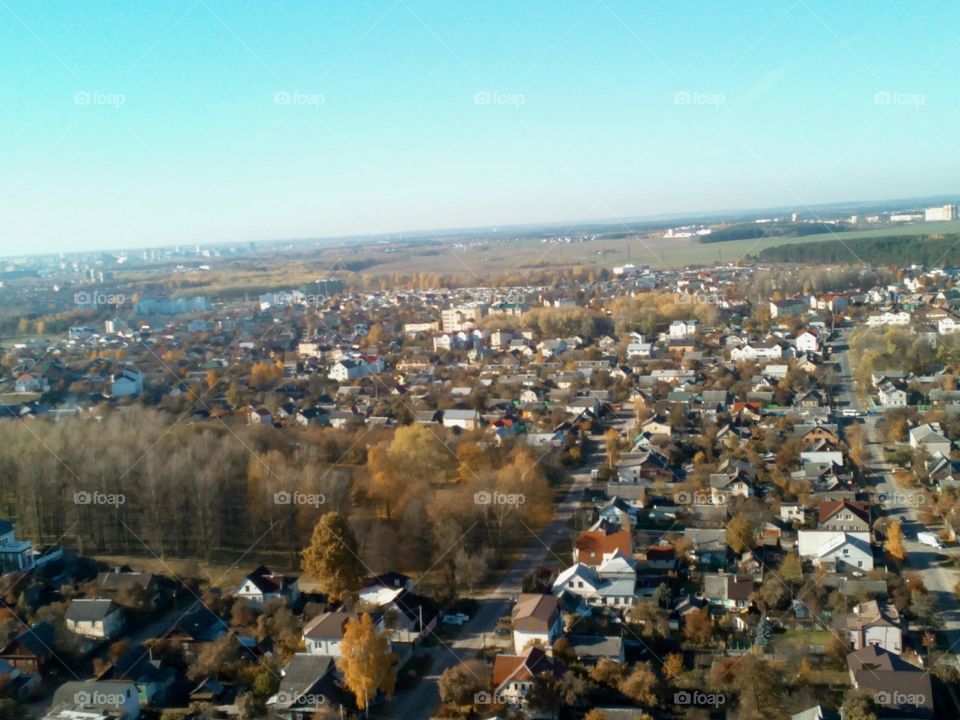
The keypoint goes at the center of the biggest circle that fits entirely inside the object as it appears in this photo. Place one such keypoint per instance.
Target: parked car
(928, 538)
(455, 619)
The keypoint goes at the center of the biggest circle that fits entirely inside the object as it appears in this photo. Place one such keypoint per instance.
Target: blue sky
(127, 124)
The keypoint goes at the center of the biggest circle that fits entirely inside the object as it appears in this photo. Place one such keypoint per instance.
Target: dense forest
(900, 250)
(136, 482)
(752, 230)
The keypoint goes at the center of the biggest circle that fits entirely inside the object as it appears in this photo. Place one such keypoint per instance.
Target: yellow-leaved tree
(332, 558)
(894, 544)
(367, 664)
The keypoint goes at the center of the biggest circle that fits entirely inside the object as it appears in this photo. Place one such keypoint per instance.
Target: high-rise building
(941, 214)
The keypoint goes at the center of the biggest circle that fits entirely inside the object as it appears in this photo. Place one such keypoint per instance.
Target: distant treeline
(898, 250)
(750, 231)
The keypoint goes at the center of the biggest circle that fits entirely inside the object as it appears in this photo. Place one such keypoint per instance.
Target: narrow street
(902, 503)
(421, 701)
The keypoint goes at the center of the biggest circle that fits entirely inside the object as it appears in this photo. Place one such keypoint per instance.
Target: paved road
(903, 504)
(420, 702)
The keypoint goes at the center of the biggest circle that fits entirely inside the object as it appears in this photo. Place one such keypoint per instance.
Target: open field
(516, 256)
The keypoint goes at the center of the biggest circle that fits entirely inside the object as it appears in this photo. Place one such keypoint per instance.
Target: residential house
(792, 512)
(513, 675)
(807, 342)
(707, 545)
(126, 383)
(95, 699)
(900, 689)
(591, 649)
(15, 555)
(536, 619)
(152, 677)
(594, 547)
(844, 515)
(730, 592)
(892, 394)
(94, 618)
(309, 685)
(888, 317)
(31, 650)
(790, 306)
(323, 634)
(874, 622)
(612, 584)
(836, 550)
(662, 557)
(930, 438)
(757, 351)
(463, 419)
(262, 586)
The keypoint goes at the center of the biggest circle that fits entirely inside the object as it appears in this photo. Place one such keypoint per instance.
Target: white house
(888, 317)
(891, 395)
(262, 586)
(536, 619)
(948, 325)
(757, 351)
(346, 370)
(95, 700)
(807, 341)
(791, 512)
(513, 675)
(840, 551)
(324, 634)
(873, 622)
(639, 350)
(931, 438)
(612, 584)
(682, 328)
(464, 419)
(94, 618)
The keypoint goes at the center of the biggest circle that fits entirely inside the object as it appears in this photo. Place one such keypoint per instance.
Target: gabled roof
(523, 668)
(327, 626)
(86, 610)
(534, 612)
(830, 508)
(592, 545)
